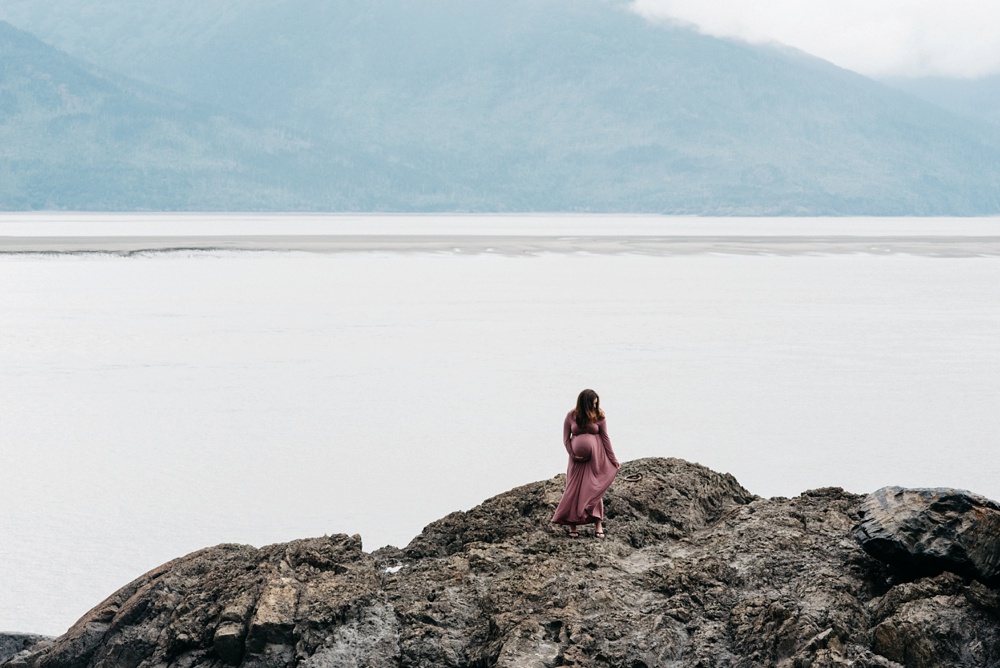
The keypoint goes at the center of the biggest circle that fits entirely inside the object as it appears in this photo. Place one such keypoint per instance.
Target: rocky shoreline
(696, 572)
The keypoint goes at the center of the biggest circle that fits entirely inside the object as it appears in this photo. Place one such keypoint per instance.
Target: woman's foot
(599, 530)
(599, 534)
(573, 533)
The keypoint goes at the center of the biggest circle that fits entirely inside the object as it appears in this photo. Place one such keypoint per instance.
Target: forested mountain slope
(571, 105)
(976, 98)
(75, 137)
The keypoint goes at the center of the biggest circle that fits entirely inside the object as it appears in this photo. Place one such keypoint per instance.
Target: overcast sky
(960, 38)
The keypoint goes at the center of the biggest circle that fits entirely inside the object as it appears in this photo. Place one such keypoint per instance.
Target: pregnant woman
(592, 466)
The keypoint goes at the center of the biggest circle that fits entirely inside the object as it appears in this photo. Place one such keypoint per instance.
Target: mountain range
(454, 105)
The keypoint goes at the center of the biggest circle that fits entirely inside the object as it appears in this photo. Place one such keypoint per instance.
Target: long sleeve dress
(586, 481)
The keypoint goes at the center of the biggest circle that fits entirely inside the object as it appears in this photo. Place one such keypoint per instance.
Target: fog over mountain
(889, 38)
(495, 105)
(976, 98)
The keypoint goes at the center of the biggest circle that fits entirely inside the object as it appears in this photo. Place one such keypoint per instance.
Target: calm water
(152, 405)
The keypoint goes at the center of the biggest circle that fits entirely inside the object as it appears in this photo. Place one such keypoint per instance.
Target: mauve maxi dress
(586, 482)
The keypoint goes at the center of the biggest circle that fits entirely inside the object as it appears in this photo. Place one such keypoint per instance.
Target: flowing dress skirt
(586, 482)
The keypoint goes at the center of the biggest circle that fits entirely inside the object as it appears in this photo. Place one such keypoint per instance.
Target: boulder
(928, 531)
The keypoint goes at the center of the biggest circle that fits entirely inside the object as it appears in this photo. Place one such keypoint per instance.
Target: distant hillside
(572, 105)
(76, 138)
(976, 98)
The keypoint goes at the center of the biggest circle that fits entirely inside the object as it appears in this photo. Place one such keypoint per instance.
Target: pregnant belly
(583, 446)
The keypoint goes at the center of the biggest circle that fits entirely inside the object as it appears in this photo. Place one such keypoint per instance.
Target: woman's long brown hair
(588, 408)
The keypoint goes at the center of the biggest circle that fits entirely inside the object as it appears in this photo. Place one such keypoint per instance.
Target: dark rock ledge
(696, 571)
(21, 644)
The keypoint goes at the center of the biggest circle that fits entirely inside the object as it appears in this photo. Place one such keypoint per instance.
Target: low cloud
(880, 38)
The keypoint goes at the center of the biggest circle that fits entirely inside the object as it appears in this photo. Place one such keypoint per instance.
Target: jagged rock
(937, 623)
(928, 531)
(695, 572)
(666, 501)
(14, 644)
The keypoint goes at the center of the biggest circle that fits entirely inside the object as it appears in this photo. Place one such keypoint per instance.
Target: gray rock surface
(928, 531)
(13, 644)
(695, 572)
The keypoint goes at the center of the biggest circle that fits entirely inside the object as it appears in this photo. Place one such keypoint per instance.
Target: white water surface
(155, 404)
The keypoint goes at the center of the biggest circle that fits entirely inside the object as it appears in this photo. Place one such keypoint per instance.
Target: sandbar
(927, 245)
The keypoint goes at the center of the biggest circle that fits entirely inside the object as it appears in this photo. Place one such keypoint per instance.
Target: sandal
(574, 534)
(599, 534)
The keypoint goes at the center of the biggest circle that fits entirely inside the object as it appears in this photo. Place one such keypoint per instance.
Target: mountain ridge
(973, 98)
(78, 137)
(556, 106)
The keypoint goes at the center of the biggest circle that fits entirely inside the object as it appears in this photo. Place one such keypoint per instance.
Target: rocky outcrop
(696, 571)
(928, 531)
(13, 644)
